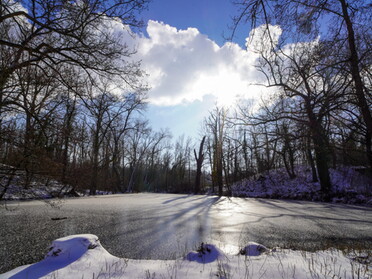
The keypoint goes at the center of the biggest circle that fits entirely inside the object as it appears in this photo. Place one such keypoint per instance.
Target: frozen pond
(166, 226)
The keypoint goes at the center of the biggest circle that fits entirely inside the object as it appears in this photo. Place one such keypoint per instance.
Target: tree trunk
(95, 151)
(27, 150)
(355, 72)
(199, 163)
(323, 173)
(245, 154)
(115, 167)
(320, 146)
(131, 180)
(287, 166)
(67, 135)
(311, 161)
(11, 175)
(321, 160)
(369, 149)
(4, 76)
(219, 170)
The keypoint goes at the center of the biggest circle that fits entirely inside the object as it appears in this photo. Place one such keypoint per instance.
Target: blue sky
(210, 17)
(190, 65)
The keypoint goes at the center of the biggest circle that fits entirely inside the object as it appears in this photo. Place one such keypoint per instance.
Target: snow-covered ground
(82, 256)
(349, 185)
(40, 188)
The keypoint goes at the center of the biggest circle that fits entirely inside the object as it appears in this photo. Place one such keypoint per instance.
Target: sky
(190, 65)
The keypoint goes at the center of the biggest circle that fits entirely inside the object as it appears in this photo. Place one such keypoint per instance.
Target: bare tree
(147, 154)
(215, 127)
(180, 170)
(104, 108)
(49, 48)
(38, 101)
(50, 33)
(309, 91)
(348, 37)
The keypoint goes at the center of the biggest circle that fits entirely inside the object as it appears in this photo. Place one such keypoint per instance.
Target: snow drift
(82, 256)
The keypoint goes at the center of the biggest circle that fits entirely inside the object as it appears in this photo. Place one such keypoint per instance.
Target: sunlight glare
(225, 85)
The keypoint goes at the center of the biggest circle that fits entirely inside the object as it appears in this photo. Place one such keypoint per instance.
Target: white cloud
(185, 65)
(263, 38)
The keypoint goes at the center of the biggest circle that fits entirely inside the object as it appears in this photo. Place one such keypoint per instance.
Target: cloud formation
(184, 66)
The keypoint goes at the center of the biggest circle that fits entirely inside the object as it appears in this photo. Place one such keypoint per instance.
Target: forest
(72, 99)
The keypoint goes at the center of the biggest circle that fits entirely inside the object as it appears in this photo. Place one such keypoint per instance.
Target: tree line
(71, 99)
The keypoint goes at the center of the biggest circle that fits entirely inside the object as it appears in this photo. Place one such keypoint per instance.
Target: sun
(227, 87)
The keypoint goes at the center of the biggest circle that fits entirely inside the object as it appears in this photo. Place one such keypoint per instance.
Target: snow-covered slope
(349, 185)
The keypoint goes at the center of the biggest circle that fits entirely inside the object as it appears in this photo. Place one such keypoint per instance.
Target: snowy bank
(349, 185)
(82, 256)
(41, 187)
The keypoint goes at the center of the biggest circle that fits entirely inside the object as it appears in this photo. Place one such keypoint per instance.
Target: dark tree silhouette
(199, 163)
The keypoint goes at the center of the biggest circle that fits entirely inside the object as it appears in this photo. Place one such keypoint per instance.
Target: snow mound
(72, 247)
(75, 252)
(206, 253)
(253, 249)
(82, 256)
